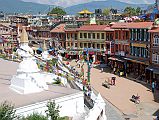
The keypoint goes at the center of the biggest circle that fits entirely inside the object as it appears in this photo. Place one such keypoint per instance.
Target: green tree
(57, 10)
(106, 11)
(130, 11)
(138, 11)
(7, 111)
(53, 110)
(35, 116)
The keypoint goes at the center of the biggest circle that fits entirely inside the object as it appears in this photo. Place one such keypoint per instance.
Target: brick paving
(120, 94)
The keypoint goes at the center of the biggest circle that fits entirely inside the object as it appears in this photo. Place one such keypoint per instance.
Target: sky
(66, 3)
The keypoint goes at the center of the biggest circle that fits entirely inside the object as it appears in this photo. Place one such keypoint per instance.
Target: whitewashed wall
(71, 105)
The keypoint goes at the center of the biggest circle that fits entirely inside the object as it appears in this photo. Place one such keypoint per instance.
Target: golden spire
(44, 46)
(24, 36)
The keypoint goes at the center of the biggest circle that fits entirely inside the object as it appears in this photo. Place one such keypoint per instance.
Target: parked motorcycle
(135, 99)
(106, 84)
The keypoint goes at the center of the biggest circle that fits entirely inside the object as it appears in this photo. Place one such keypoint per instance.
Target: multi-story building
(121, 45)
(131, 41)
(153, 69)
(139, 40)
(58, 33)
(96, 37)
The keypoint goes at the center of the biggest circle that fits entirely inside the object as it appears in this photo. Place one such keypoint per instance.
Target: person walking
(153, 87)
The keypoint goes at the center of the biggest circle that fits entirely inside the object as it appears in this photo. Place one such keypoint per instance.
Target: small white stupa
(45, 54)
(28, 79)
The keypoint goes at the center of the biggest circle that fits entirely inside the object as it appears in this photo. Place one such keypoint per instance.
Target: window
(98, 35)
(107, 37)
(111, 36)
(93, 45)
(85, 45)
(134, 34)
(75, 36)
(127, 35)
(116, 34)
(119, 35)
(89, 45)
(98, 46)
(145, 35)
(85, 35)
(138, 34)
(102, 35)
(102, 46)
(142, 37)
(81, 45)
(156, 40)
(68, 36)
(89, 35)
(75, 44)
(81, 35)
(94, 36)
(155, 58)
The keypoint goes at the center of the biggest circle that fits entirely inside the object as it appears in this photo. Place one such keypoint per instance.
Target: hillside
(101, 4)
(18, 6)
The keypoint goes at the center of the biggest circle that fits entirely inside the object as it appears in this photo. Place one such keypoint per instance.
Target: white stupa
(28, 78)
(45, 54)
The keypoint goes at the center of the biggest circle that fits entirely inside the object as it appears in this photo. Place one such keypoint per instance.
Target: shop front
(136, 68)
(153, 75)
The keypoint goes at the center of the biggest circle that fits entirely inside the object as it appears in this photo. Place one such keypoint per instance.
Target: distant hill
(101, 4)
(18, 6)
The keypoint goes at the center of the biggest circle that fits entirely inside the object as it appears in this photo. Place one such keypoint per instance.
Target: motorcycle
(106, 84)
(135, 99)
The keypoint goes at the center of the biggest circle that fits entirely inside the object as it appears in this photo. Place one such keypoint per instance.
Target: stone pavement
(112, 113)
(120, 94)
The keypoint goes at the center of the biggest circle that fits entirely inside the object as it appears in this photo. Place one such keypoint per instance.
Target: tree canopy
(57, 10)
(106, 11)
(130, 11)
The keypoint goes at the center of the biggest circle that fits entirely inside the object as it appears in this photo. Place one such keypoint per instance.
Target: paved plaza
(120, 94)
(118, 105)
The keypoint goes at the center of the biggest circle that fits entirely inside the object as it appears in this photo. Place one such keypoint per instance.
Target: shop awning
(137, 61)
(153, 69)
(116, 59)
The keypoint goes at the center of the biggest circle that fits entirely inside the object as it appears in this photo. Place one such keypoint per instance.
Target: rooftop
(59, 29)
(133, 25)
(20, 100)
(85, 12)
(95, 28)
(154, 29)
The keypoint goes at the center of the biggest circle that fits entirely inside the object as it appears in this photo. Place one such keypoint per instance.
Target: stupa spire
(24, 36)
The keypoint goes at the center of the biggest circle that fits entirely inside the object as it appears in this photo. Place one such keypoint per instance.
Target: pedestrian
(78, 64)
(114, 69)
(101, 69)
(153, 87)
(113, 80)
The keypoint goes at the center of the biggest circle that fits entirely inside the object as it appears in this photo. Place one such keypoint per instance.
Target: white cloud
(66, 3)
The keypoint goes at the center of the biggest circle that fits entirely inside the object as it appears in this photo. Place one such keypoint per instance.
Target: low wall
(70, 106)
